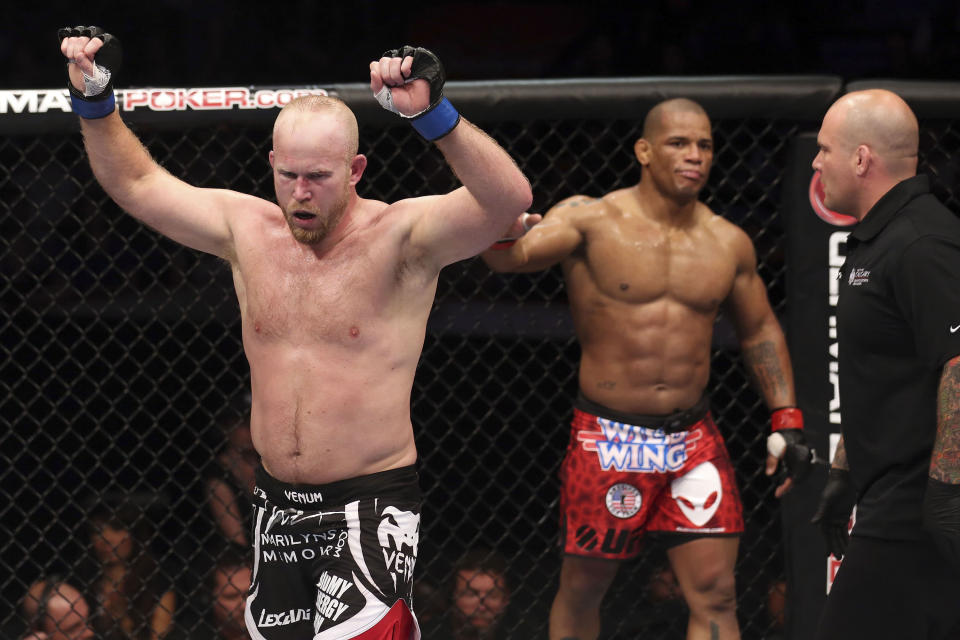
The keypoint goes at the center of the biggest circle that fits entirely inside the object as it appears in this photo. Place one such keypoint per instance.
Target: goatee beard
(329, 222)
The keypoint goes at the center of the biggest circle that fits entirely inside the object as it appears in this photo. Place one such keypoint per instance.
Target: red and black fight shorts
(627, 474)
(336, 560)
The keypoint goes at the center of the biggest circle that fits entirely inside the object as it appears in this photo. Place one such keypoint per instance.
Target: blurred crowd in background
(222, 42)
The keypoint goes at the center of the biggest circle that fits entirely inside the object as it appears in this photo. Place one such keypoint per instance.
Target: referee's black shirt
(898, 322)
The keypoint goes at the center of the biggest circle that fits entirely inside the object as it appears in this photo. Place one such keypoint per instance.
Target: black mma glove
(787, 423)
(833, 512)
(97, 99)
(941, 518)
(438, 119)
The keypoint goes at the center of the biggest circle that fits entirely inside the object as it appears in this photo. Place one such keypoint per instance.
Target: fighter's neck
(666, 210)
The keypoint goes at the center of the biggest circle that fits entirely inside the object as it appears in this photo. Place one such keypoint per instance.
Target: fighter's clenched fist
(409, 82)
(93, 57)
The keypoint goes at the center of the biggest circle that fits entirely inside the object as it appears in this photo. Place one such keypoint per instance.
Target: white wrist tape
(94, 85)
(385, 98)
(776, 444)
(523, 222)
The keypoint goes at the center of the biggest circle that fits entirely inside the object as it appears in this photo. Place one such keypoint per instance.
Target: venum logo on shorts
(304, 497)
(399, 535)
(627, 447)
(623, 500)
(283, 618)
(858, 277)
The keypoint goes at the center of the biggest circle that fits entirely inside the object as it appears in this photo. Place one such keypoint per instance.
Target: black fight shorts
(330, 561)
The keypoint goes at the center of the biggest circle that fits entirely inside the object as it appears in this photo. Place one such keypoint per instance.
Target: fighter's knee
(586, 580)
(712, 590)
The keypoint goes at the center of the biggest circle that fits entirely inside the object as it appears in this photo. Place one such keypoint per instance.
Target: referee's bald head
(884, 122)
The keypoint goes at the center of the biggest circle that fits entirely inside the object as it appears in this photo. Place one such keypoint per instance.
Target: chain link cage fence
(124, 376)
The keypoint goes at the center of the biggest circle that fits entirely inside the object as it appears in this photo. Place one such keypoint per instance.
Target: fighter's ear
(641, 149)
(357, 166)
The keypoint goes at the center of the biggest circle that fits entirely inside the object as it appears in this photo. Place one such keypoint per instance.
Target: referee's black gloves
(833, 512)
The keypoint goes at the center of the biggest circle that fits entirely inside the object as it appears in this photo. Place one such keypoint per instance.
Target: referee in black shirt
(899, 338)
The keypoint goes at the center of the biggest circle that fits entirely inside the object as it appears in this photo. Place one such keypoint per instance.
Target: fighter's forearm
(487, 171)
(503, 260)
(840, 457)
(118, 158)
(945, 460)
(767, 361)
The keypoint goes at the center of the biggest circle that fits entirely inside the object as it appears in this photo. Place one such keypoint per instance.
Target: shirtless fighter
(647, 270)
(334, 293)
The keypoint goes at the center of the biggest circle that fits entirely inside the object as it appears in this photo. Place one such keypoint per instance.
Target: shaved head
(881, 120)
(868, 143)
(309, 106)
(653, 123)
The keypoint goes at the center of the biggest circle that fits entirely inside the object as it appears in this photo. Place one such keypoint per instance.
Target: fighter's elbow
(524, 195)
(514, 197)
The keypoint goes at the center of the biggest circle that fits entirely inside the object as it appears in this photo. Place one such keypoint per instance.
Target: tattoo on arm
(578, 202)
(606, 384)
(840, 457)
(714, 631)
(945, 459)
(766, 371)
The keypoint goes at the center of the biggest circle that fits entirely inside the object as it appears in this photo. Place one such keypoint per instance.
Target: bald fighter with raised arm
(334, 293)
(647, 270)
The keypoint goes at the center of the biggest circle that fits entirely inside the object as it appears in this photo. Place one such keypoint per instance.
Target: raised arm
(465, 221)
(189, 215)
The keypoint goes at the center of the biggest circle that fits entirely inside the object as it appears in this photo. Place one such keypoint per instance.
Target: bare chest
(638, 266)
(292, 295)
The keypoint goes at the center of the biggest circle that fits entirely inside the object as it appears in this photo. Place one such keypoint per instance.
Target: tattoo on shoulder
(606, 384)
(714, 631)
(578, 202)
(945, 458)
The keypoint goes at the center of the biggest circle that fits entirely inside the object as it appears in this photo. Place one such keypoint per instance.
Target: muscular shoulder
(250, 218)
(576, 205)
(400, 213)
(731, 236)
(580, 209)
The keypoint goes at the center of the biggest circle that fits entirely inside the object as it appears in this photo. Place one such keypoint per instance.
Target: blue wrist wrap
(438, 121)
(93, 109)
